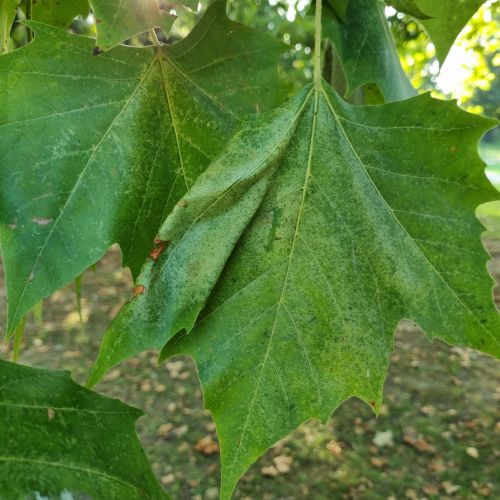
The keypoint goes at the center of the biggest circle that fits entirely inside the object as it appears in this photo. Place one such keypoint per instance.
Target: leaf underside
(366, 49)
(56, 440)
(321, 226)
(105, 144)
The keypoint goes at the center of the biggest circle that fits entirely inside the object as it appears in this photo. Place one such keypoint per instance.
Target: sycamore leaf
(408, 7)
(448, 18)
(339, 7)
(59, 13)
(368, 219)
(7, 16)
(366, 49)
(359, 217)
(444, 19)
(117, 21)
(56, 440)
(96, 149)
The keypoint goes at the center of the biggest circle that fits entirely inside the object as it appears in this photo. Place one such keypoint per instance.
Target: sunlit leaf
(408, 7)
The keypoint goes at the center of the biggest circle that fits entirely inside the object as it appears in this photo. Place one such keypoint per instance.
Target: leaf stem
(29, 14)
(317, 45)
(18, 339)
(153, 37)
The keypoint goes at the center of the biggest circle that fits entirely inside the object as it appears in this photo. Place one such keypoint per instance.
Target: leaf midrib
(280, 303)
(393, 215)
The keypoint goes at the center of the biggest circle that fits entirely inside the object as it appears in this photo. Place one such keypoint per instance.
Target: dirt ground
(438, 435)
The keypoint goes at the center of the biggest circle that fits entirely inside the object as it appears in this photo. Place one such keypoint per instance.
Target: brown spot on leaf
(183, 203)
(50, 413)
(139, 290)
(158, 249)
(96, 51)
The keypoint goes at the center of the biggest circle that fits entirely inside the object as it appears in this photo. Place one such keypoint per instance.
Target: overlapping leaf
(7, 15)
(117, 21)
(409, 7)
(443, 20)
(59, 13)
(447, 19)
(359, 217)
(59, 440)
(96, 149)
(366, 49)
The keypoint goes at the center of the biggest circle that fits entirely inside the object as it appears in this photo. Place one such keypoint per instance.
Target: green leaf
(97, 149)
(118, 21)
(59, 13)
(359, 217)
(443, 19)
(59, 440)
(408, 7)
(339, 7)
(447, 19)
(366, 49)
(7, 16)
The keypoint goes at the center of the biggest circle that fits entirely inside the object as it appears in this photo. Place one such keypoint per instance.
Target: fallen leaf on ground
(419, 444)
(437, 466)
(282, 463)
(334, 448)
(472, 452)
(207, 445)
(269, 471)
(449, 487)
(383, 438)
(428, 410)
(379, 462)
(168, 479)
(180, 431)
(411, 493)
(212, 493)
(164, 429)
(430, 489)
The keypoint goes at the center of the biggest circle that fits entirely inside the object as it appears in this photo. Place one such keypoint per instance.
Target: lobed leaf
(359, 217)
(56, 440)
(447, 19)
(365, 221)
(96, 149)
(443, 20)
(366, 49)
